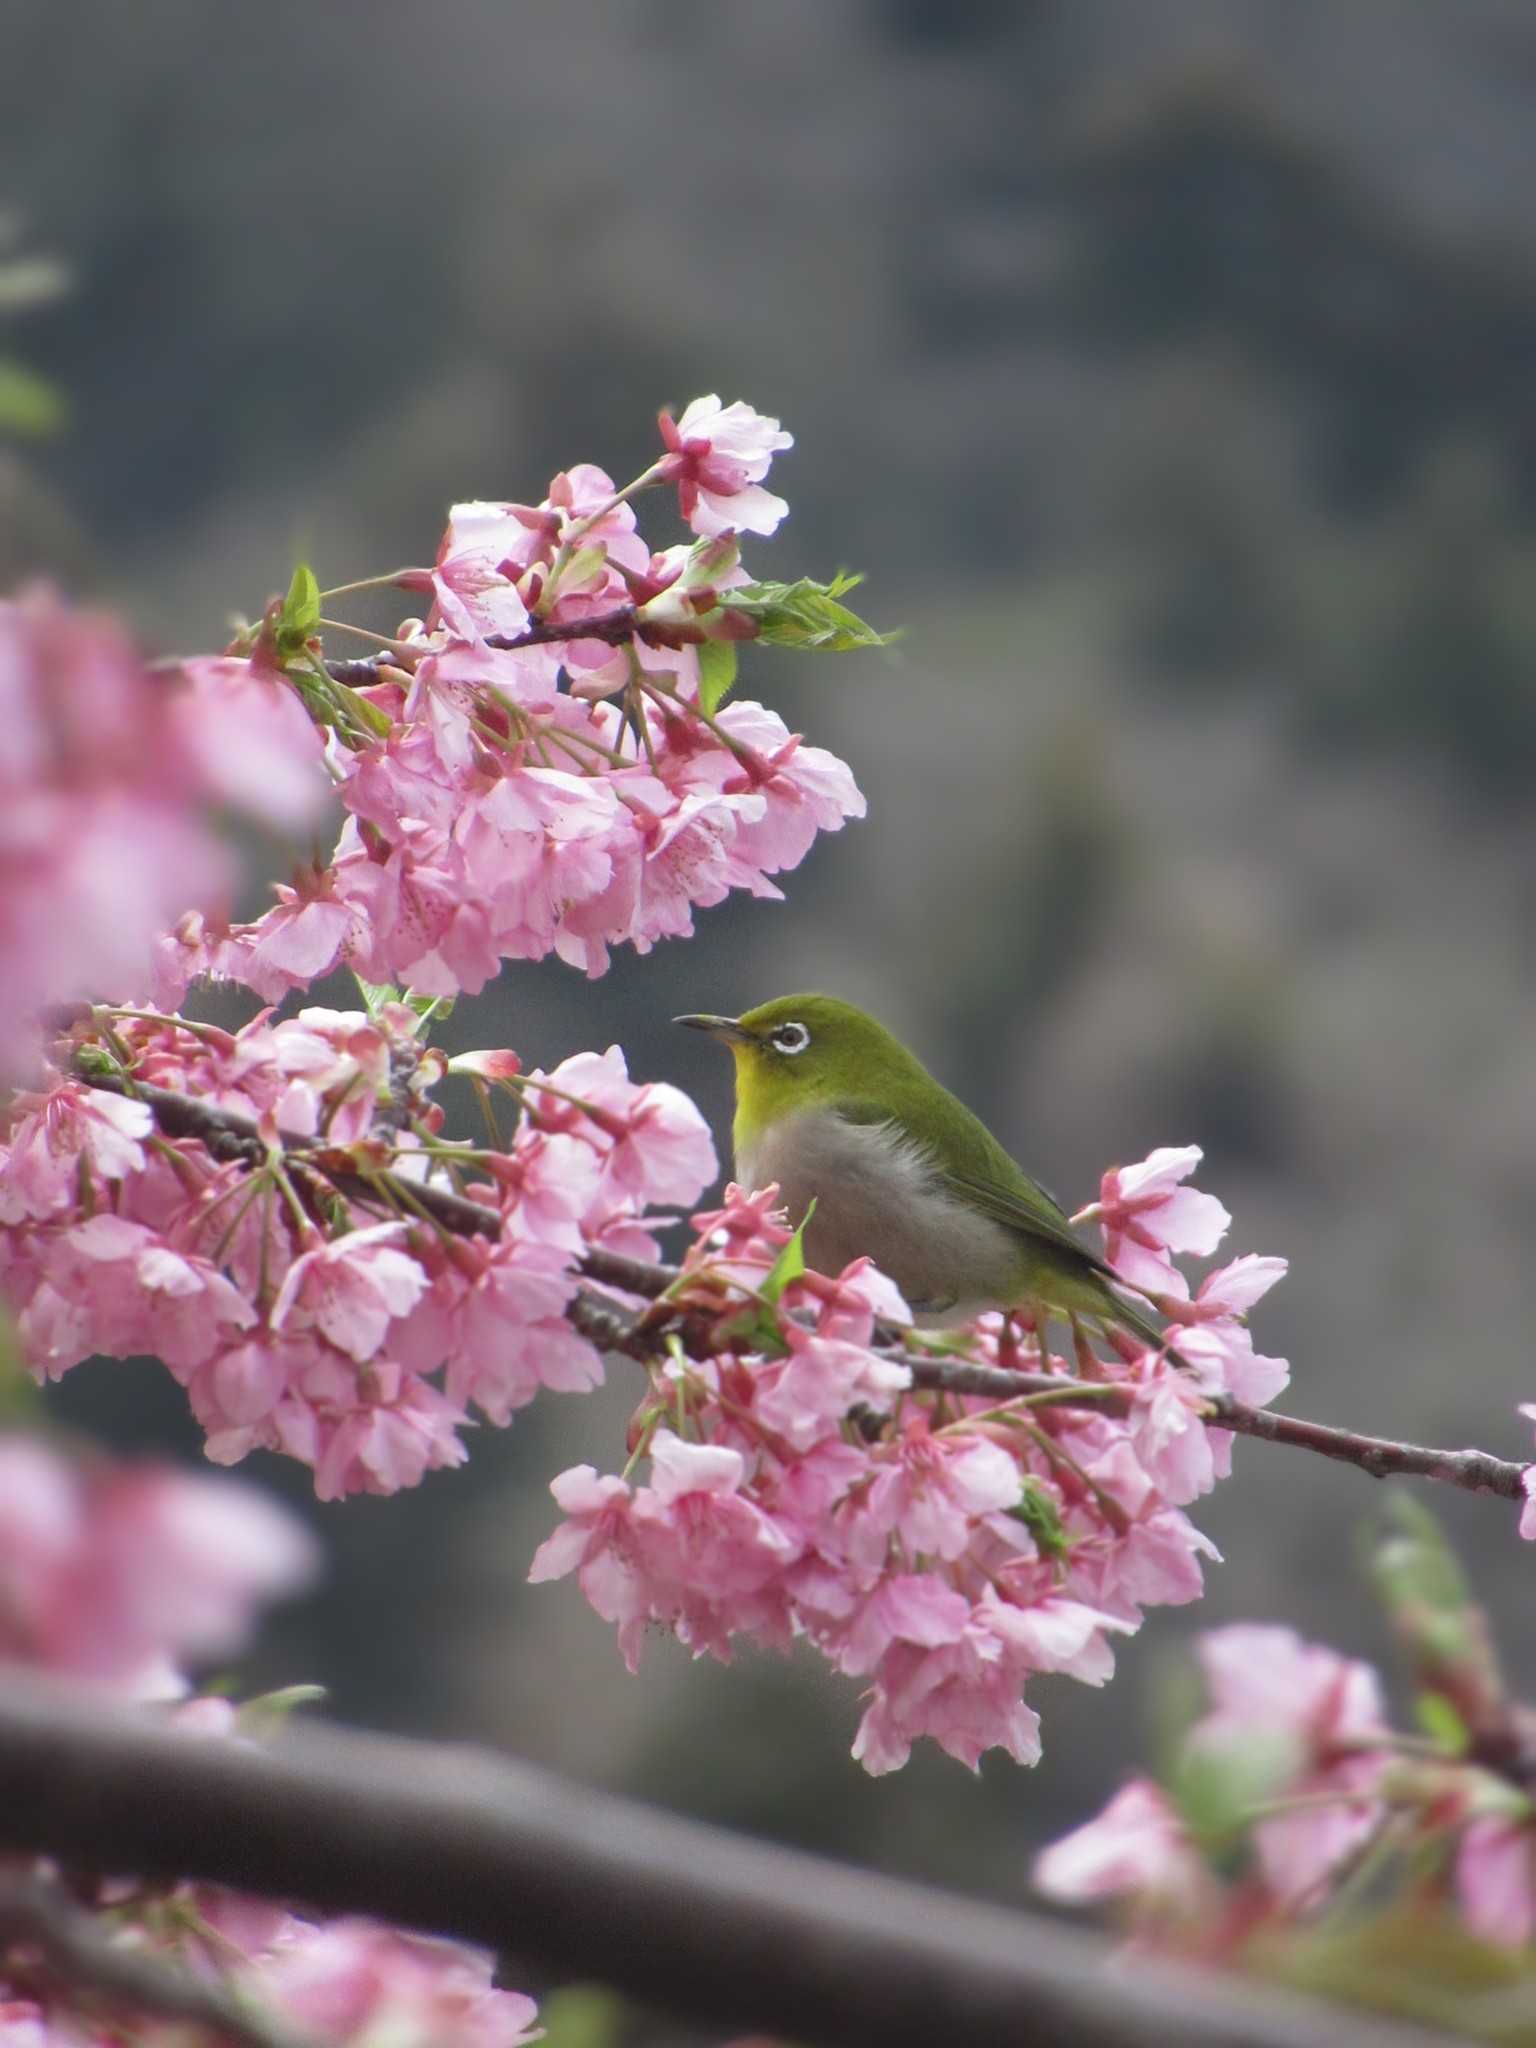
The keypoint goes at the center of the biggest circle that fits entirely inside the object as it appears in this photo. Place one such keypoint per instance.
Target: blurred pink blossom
(107, 774)
(1137, 1846)
(123, 1573)
(1496, 1879)
(1322, 1721)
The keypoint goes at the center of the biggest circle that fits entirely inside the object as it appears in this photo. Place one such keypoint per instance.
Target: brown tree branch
(578, 1884)
(44, 1933)
(229, 1135)
(614, 628)
(1382, 1457)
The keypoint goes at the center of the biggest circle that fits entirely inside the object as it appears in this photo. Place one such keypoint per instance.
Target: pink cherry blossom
(597, 1541)
(655, 1145)
(962, 1693)
(1138, 1846)
(718, 456)
(473, 593)
(1260, 1675)
(56, 1137)
(1147, 1214)
(934, 1487)
(460, 854)
(804, 1398)
(392, 1440)
(508, 1336)
(112, 1284)
(351, 1289)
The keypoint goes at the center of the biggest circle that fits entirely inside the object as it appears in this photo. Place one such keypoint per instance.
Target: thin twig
(228, 1135)
(73, 1949)
(614, 628)
(576, 1884)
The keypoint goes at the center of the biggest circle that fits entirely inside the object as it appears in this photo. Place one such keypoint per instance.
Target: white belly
(876, 1193)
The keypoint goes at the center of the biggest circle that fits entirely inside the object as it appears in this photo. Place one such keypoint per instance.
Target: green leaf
(804, 614)
(263, 1717)
(582, 2016)
(1438, 1718)
(1446, 1635)
(1414, 1959)
(757, 1327)
(1036, 1509)
(376, 994)
(717, 673)
(20, 1396)
(1218, 1782)
(301, 611)
(583, 567)
(30, 406)
(789, 1265)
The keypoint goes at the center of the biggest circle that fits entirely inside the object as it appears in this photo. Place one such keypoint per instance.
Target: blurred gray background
(1171, 371)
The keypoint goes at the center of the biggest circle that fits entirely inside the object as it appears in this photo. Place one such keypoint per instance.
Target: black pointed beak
(718, 1027)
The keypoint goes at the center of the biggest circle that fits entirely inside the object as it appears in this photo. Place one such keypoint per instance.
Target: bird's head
(798, 1052)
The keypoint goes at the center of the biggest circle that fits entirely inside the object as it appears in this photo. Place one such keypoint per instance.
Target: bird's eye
(790, 1038)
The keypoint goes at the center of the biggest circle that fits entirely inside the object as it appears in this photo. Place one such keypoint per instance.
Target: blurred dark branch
(614, 1326)
(49, 1946)
(577, 1884)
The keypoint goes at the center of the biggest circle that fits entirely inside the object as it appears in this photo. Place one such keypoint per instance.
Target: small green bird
(837, 1111)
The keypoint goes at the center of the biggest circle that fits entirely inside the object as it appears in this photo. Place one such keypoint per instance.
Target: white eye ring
(790, 1039)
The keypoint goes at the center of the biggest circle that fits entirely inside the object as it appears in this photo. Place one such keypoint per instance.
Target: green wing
(1025, 1206)
(969, 1161)
(971, 1164)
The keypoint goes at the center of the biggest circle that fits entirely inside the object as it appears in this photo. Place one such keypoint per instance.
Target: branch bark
(608, 1323)
(614, 628)
(574, 1883)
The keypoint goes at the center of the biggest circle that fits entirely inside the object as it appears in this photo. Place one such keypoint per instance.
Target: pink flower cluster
(340, 1984)
(939, 1548)
(120, 1574)
(499, 805)
(286, 1265)
(1315, 1777)
(107, 774)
